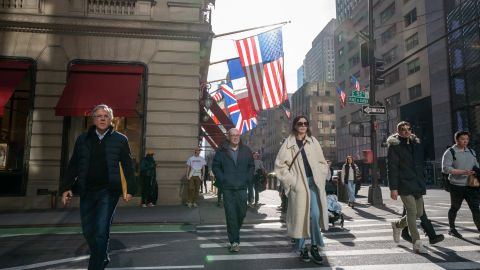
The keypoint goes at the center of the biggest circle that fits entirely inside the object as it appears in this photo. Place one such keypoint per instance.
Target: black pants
(235, 204)
(457, 195)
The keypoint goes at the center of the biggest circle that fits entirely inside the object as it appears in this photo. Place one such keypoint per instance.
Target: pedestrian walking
(405, 160)
(233, 168)
(148, 176)
(302, 170)
(427, 227)
(350, 174)
(460, 162)
(259, 174)
(95, 169)
(195, 172)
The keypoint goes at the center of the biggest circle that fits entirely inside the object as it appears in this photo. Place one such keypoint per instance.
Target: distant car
(336, 175)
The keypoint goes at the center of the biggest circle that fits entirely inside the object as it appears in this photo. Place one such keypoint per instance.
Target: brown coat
(295, 184)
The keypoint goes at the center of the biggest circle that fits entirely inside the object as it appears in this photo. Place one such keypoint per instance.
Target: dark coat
(116, 150)
(230, 175)
(405, 165)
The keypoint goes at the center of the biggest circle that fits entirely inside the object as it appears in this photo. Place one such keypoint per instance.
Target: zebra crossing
(362, 244)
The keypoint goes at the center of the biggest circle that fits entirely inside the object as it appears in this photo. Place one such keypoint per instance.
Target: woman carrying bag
(302, 169)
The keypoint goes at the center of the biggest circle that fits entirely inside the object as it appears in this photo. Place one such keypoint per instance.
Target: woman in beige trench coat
(304, 184)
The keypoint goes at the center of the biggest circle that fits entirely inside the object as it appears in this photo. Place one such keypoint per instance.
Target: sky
(308, 17)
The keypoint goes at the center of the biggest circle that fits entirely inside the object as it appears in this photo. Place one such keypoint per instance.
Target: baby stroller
(334, 207)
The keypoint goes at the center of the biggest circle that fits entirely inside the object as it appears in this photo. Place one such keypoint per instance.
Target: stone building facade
(164, 45)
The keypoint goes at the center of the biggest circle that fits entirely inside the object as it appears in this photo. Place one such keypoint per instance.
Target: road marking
(327, 241)
(79, 258)
(149, 267)
(416, 266)
(341, 253)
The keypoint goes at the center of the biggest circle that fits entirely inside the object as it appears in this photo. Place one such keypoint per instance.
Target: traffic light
(379, 71)
(364, 54)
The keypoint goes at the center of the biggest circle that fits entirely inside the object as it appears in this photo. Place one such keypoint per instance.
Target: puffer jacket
(117, 150)
(405, 165)
(230, 175)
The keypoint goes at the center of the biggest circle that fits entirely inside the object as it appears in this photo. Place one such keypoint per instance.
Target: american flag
(342, 96)
(217, 96)
(243, 117)
(355, 82)
(261, 57)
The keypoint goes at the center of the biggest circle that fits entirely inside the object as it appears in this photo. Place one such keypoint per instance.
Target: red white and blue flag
(217, 96)
(355, 82)
(261, 58)
(243, 117)
(342, 96)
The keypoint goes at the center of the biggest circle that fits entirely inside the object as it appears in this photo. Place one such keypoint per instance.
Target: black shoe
(304, 255)
(316, 257)
(454, 233)
(436, 239)
(405, 235)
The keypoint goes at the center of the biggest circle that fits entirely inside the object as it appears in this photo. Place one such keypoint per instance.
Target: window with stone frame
(411, 17)
(387, 13)
(415, 92)
(413, 66)
(411, 42)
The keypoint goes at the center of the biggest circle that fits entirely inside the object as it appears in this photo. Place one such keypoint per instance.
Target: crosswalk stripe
(327, 241)
(416, 266)
(338, 253)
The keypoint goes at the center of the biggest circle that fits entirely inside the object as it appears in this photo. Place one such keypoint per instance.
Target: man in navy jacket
(233, 168)
(94, 168)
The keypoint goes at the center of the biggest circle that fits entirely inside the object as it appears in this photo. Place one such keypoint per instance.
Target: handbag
(473, 181)
(123, 182)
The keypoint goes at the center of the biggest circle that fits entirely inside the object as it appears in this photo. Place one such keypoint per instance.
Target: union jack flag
(261, 57)
(355, 82)
(243, 117)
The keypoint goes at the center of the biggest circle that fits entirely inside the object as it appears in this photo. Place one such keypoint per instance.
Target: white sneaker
(189, 205)
(396, 233)
(235, 247)
(195, 205)
(419, 248)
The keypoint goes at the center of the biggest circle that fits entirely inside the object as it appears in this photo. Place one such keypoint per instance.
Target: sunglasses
(406, 129)
(300, 124)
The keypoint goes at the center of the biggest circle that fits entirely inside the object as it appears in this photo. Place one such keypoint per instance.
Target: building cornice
(106, 27)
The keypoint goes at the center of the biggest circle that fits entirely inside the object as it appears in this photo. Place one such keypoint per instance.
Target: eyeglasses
(300, 124)
(102, 116)
(406, 129)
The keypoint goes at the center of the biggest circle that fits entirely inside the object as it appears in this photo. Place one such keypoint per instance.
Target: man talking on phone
(95, 168)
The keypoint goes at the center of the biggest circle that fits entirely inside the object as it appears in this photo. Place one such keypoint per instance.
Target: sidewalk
(207, 213)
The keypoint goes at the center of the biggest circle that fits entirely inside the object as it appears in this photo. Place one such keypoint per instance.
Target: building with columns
(144, 58)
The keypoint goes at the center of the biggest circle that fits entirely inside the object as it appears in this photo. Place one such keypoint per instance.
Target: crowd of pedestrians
(102, 170)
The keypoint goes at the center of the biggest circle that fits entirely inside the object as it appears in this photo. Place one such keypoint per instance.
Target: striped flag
(217, 96)
(355, 82)
(342, 96)
(261, 57)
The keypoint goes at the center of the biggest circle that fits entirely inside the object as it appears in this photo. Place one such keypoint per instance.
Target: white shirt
(196, 164)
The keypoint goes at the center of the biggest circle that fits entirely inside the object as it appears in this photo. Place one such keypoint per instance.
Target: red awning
(11, 74)
(88, 85)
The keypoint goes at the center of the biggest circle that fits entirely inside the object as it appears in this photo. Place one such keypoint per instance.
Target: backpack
(446, 182)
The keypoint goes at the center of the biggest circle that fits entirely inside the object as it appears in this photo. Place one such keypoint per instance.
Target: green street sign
(360, 94)
(358, 100)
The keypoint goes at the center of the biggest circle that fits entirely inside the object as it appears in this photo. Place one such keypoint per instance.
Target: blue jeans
(96, 211)
(351, 190)
(315, 232)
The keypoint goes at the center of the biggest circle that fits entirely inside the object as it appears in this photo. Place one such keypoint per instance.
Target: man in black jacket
(94, 168)
(405, 164)
(233, 168)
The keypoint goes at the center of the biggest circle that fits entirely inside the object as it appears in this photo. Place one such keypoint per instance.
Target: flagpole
(250, 29)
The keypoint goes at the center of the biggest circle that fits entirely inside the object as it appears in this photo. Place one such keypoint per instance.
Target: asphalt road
(364, 243)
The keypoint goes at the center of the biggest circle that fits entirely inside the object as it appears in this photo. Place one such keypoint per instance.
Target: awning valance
(88, 85)
(11, 74)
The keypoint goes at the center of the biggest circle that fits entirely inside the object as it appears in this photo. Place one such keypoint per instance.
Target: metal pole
(374, 192)
(250, 29)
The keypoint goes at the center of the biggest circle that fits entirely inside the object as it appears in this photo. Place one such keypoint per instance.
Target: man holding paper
(100, 162)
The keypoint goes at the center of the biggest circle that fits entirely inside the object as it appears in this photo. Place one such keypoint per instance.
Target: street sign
(374, 109)
(359, 97)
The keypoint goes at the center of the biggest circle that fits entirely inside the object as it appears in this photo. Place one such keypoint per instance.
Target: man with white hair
(95, 168)
(233, 168)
